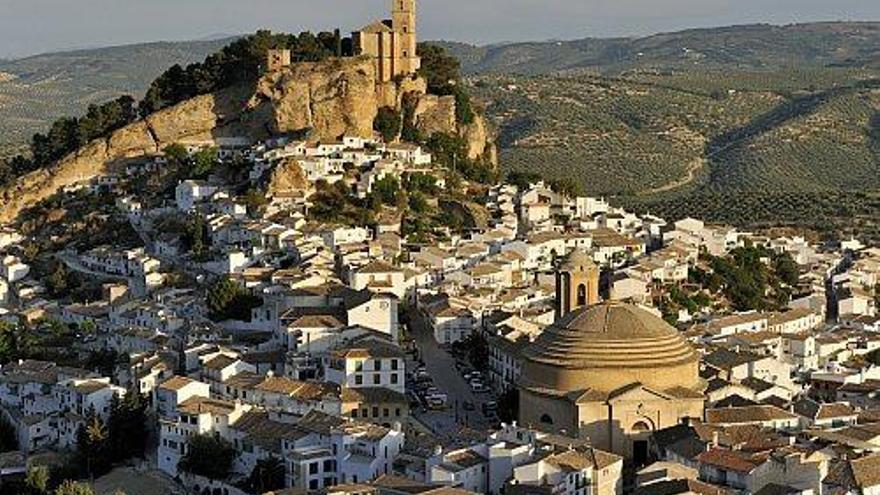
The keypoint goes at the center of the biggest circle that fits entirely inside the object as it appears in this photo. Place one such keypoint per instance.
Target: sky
(36, 26)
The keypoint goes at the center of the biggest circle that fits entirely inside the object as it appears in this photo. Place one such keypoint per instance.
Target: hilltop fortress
(391, 45)
(324, 100)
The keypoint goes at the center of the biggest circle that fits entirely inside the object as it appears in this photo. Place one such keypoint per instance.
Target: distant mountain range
(758, 46)
(36, 90)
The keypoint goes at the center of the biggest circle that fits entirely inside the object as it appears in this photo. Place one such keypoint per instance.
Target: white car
(478, 387)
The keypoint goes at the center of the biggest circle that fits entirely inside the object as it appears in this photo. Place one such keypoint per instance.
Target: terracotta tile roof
(836, 410)
(219, 362)
(176, 382)
(679, 486)
(730, 460)
(748, 414)
(204, 405)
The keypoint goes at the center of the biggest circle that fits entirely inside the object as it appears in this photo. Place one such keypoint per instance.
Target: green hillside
(760, 46)
(742, 147)
(37, 90)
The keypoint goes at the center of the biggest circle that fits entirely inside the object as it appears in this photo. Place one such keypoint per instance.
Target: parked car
(478, 387)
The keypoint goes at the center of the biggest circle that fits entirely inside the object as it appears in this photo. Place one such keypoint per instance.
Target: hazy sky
(34, 26)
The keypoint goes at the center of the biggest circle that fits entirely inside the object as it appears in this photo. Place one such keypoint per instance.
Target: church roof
(377, 27)
(610, 334)
(609, 346)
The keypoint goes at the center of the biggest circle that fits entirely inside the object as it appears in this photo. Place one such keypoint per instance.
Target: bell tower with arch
(577, 283)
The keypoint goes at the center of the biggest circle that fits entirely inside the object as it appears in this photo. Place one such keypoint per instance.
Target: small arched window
(546, 419)
(582, 295)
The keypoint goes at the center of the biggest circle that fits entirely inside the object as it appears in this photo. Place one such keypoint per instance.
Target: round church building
(613, 373)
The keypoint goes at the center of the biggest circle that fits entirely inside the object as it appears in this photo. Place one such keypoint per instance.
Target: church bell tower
(403, 22)
(577, 283)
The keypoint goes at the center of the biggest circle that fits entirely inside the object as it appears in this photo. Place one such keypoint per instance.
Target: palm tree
(269, 474)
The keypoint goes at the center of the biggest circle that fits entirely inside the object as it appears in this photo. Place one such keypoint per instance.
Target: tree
(440, 70)
(176, 154)
(208, 456)
(477, 349)
(387, 123)
(37, 480)
(194, 236)
(508, 405)
(786, 269)
(387, 189)
(74, 488)
(423, 183)
(204, 162)
(16, 342)
(57, 281)
(8, 437)
(418, 204)
(104, 361)
(127, 426)
(268, 474)
(229, 301)
(92, 450)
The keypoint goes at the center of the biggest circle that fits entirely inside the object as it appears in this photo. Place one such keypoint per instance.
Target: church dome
(606, 347)
(579, 260)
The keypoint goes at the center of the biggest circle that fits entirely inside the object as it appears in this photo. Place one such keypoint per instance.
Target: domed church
(610, 372)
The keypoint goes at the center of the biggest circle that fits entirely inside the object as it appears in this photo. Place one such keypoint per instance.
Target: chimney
(715, 440)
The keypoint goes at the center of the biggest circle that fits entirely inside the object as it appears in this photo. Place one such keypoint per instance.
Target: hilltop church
(391, 43)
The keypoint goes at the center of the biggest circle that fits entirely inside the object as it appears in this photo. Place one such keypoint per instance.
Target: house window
(377, 365)
(385, 412)
(313, 468)
(313, 484)
(375, 411)
(394, 364)
(377, 379)
(358, 379)
(394, 379)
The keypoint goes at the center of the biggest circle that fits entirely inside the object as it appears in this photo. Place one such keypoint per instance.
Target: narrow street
(441, 366)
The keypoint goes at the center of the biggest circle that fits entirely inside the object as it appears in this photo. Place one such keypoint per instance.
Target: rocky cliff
(322, 101)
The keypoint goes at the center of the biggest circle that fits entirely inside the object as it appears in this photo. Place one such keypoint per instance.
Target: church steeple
(577, 283)
(403, 22)
(391, 43)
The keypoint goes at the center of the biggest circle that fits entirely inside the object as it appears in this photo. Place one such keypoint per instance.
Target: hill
(742, 124)
(647, 133)
(748, 47)
(36, 90)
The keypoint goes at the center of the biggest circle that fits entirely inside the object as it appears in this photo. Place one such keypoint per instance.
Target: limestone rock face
(477, 137)
(323, 100)
(391, 94)
(326, 99)
(288, 177)
(435, 114)
(132, 141)
(194, 119)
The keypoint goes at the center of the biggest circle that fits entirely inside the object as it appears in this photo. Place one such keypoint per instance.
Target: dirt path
(693, 168)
